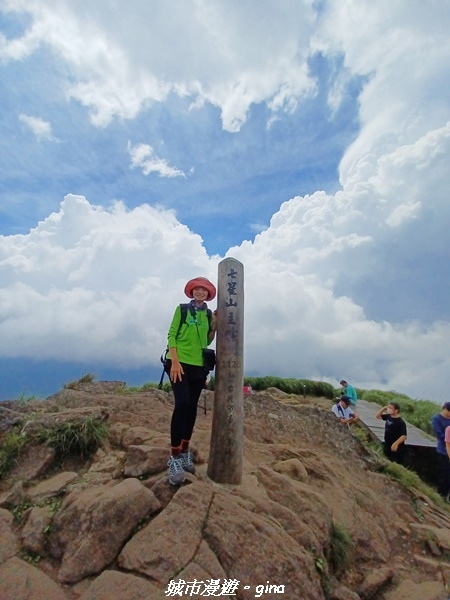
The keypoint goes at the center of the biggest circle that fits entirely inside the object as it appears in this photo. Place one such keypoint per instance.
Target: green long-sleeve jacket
(192, 337)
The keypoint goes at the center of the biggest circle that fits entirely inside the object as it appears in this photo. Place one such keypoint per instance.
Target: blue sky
(140, 147)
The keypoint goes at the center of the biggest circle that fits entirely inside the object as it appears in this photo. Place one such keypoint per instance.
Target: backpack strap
(184, 311)
(184, 308)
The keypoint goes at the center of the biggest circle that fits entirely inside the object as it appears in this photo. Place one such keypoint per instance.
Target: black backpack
(184, 311)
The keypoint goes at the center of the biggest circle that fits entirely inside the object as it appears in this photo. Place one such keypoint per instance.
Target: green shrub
(19, 510)
(74, 438)
(340, 548)
(11, 446)
(24, 399)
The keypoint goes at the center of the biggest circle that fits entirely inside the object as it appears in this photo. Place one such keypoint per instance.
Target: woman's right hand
(176, 371)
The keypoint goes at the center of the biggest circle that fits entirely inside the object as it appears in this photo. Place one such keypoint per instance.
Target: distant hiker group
(395, 427)
(395, 432)
(343, 409)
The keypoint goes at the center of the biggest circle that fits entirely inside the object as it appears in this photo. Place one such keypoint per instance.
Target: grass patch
(80, 438)
(88, 378)
(12, 445)
(411, 481)
(30, 556)
(19, 510)
(340, 549)
(300, 387)
(24, 399)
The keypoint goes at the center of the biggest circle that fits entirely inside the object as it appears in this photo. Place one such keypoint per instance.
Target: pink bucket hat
(200, 282)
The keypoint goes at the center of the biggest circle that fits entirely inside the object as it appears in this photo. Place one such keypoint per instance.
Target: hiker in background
(440, 422)
(187, 372)
(349, 391)
(343, 412)
(395, 432)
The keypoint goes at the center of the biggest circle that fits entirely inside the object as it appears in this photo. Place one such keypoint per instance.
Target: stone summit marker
(227, 435)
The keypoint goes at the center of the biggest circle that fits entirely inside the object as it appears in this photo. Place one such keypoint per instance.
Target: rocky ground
(111, 527)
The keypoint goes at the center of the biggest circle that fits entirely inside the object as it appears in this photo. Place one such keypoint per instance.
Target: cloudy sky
(143, 142)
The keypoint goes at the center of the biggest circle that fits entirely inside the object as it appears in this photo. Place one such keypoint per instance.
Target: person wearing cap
(186, 371)
(349, 391)
(343, 412)
(440, 422)
(395, 432)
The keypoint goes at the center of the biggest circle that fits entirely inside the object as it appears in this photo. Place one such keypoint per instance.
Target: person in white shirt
(343, 412)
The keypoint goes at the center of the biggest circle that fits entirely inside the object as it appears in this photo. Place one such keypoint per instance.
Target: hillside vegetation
(416, 411)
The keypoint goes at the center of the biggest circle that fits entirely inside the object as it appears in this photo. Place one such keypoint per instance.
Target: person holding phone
(343, 412)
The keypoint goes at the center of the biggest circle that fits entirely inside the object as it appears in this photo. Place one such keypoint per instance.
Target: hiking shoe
(176, 473)
(187, 463)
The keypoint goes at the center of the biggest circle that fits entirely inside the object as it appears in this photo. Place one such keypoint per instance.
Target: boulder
(111, 463)
(409, 590)
(254, 550)
(8, 541)
(51, 487)
(374, 582)
(114, 585)
(33, 462)
(293, 468)
(20, 580)
(440, 535)
(209, 561)
(137, 436)
(92, 525)
(169, 542)
(301, 499)
(341, 592)
(116, 433)
(438, 568)
(35, 532)
(13, 496)
(145, 460)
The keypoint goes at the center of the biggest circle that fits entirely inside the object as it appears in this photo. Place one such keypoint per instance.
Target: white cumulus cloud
(95, 284)
(123, 60)
(143, 156)
(40, 128)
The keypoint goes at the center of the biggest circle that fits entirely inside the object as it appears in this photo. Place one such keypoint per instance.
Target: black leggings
(186, 393)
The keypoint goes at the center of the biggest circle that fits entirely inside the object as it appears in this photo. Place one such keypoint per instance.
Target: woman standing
(186, 371)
